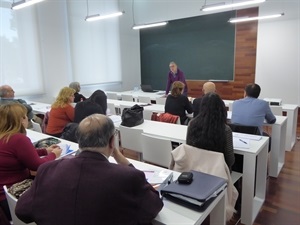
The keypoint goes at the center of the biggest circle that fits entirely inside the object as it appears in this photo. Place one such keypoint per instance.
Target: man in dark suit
(207, 88)
(88, 189)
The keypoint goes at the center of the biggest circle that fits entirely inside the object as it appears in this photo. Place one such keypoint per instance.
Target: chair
(186, 158)
(156, 150)
(166, 118)
(111, 95)
(161, 101)
(147, 114)
(127, 98)
(111, 109)
(45, 122)
(131, 139)
(36, 126)
(12, 201)
(144, 99)
(244, 129)
(276, 110)
(122, 107)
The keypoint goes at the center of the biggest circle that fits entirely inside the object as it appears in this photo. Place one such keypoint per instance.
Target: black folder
(203, 188)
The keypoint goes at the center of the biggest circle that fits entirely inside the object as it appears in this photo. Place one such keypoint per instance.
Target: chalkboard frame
(203, 48)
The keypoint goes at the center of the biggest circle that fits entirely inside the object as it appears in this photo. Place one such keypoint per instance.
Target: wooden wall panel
(245, 60)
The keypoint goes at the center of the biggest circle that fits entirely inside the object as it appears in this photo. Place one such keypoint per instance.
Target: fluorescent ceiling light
(24, 3)
(246, 19)
(101, 17)
(222, 5)
(136, 27)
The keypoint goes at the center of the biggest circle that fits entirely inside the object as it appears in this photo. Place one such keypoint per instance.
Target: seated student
(94, 191)
(209, 130)
(17, 154)
(7, 95)
(96, 103)
(177, 103)
(250, 110)
(61, 113)
(77, 96)
(207, 87)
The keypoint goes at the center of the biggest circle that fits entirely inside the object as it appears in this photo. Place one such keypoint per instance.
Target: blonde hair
(11, 115)
(63, 97)
(177, 88)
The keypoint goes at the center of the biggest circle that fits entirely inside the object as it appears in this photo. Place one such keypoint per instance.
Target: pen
(243, 141)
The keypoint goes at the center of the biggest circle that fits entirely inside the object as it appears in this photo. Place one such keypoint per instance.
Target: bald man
(207, 87)
(88, 189)
(7, 94)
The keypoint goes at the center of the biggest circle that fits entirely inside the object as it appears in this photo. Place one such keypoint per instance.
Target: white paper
(241, 142)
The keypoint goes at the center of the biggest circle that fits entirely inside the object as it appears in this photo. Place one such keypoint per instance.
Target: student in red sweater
(61, 113)
(17, 154)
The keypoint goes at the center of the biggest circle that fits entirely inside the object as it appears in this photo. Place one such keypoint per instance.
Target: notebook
(147, 88)
(203, 188)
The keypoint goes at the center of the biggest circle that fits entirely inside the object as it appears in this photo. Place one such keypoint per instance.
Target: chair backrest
(45, 122)
(244, 129)
(12, 201)
(156, 150)
(131, 139)
(127, 98)
(144, 99)
(111, 109)
(147, 114)
(111, 95)
(122, 107)
(36, 126)
(276, 110)
(166, 118)
(161, 101)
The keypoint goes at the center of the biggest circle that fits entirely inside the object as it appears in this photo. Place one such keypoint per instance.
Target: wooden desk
(171, 213)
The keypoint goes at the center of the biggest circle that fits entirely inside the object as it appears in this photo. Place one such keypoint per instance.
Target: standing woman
(17, 154)
(175, 74)
(61, 113)
(209, 130)
(77, 96)
(177, 103)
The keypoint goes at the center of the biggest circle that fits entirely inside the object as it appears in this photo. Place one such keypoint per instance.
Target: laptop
(147, 88)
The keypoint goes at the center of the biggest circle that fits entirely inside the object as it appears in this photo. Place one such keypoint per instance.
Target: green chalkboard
(202, 47)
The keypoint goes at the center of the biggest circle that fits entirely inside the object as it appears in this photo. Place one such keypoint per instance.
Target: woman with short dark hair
(177, 103)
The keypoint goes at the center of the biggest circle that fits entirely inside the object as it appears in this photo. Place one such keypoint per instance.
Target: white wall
(278, 52)
(278, 49)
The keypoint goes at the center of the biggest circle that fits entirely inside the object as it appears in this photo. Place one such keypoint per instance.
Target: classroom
(56, 46)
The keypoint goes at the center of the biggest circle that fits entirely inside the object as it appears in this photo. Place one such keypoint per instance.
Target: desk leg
(218, 214)
(291, 130)
(277, 153)
(248, 188)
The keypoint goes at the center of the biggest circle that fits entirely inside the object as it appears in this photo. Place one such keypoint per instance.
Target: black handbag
(132, 116)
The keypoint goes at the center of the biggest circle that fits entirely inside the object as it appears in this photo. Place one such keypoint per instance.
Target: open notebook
(66, 149)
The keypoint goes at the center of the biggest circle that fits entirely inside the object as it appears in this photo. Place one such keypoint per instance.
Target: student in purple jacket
(175, 74)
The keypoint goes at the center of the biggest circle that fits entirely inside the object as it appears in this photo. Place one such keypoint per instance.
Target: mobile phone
(185, 178)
